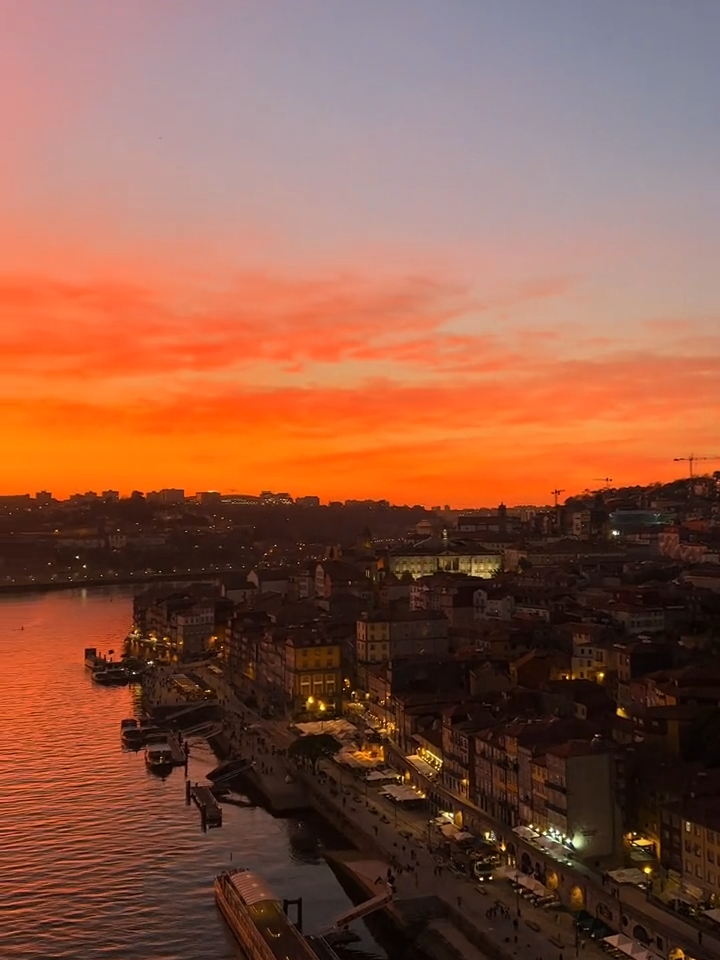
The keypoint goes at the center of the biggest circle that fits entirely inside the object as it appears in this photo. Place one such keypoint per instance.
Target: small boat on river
(93, 660)
(159, 758)
(130, 732)
(111, 676)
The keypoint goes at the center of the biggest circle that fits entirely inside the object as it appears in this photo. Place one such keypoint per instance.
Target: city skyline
(390, 252)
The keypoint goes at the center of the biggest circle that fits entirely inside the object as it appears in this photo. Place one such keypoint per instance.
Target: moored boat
(130, 732)
(148, 728)
(111, 677)
(256, 917)
(159, 758)
(93, 660)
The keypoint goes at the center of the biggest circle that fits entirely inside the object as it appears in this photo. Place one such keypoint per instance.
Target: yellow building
(313, 672)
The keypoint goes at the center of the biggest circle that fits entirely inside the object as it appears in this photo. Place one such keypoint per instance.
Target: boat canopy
(251, 887)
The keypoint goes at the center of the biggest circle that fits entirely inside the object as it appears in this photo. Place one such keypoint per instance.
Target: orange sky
(335, 288)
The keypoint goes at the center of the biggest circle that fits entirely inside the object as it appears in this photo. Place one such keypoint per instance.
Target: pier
(179, 752)
(203, 798)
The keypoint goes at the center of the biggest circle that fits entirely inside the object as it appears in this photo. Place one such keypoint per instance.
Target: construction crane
(692, 459)
(556, 494)
(602, 479)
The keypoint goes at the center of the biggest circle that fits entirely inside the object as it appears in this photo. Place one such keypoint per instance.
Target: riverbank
(92, 583)
(467, 921)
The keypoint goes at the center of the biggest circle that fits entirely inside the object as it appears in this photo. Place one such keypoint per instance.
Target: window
(710, 856)
(330, 683)
(710, 836)
(688, 826)
(711, 877)
(698, 872)
(688, 846)
(696, 829)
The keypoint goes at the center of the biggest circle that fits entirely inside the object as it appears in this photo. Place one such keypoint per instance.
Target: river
(98, 858)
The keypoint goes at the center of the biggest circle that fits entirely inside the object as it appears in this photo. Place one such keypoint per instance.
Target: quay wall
(432, 942)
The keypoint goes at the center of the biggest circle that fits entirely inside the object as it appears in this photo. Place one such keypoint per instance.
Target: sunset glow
(358, 250)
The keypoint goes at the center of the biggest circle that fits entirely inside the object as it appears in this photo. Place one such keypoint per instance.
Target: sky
(435, 251)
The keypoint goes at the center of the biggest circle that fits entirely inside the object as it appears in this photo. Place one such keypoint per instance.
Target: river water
(99, 858)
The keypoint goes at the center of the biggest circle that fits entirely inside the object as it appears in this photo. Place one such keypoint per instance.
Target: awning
(526, 833)
(620, 941)
(450, 831)
(552, 846)
(422, 766)
(713, 914)
(401, 793)
(633, 949)
(534, 886)
(630, 875)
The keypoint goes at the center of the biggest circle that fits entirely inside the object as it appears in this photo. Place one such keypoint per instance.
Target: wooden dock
(203, 798)
(179, 755)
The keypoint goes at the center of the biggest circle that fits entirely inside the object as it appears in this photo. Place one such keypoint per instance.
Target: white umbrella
(620, 941)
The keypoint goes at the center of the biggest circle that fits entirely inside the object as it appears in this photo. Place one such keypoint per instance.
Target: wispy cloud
(226, 380)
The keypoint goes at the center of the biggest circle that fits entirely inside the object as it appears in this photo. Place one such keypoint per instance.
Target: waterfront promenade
(402, 842)
(351, 810)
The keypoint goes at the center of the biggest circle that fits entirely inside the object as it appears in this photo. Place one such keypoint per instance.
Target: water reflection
(101, 859)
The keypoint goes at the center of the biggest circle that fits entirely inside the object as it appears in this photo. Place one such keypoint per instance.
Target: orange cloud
(339, 386)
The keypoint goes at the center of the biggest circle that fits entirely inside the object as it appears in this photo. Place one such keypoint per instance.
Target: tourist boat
(256, 917)
(130, 732)
(159, 758)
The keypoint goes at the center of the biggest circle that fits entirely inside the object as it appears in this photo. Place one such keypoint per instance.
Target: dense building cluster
(548, 677)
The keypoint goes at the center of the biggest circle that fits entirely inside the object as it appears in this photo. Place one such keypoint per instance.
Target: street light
(648, 881)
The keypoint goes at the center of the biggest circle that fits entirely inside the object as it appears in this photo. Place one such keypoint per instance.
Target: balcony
(559, 787)
(556, 808)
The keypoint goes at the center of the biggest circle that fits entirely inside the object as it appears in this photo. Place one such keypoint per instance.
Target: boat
(159, 758)
(136, 668)
(111, 677)
(130, 732)
(148, 728)
(154, 736)
(93, 661)
(256, 917)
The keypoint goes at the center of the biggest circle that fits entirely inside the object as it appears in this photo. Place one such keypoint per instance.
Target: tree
(313, 748)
